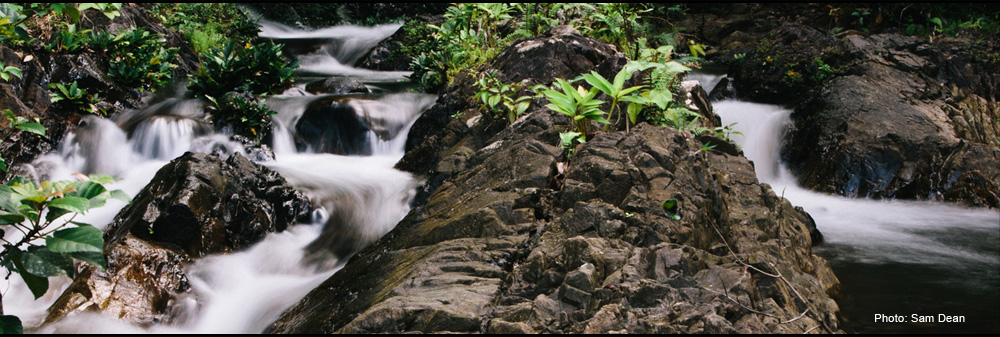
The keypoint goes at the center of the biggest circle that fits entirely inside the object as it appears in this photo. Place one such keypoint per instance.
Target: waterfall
(245, 291)
(892, 256)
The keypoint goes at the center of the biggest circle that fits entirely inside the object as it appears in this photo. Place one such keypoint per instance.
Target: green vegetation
(75, 99)
(43, 211)
(207, 25)
(27, 25)
(494, 93)
(240, 73)
(7, 71)
(257, 69)
(670, 209)
(22, 124)
(246, 114)
(577, 103)
(472, 34)
(136, 57)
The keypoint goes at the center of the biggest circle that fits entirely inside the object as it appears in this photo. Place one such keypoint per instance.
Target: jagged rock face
(502, 248)
(892, 117)
(509, 238)
(556, 53)
(196, 205)
(886, 129)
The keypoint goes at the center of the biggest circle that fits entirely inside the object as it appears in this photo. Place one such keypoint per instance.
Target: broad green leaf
(77, 239)
(662, 98)
(7, 218)
(42, 262)
(568, 137)
(37, 284)
(70, 203)
(34, 128)
(633, 111)
(95, 192)
(120, 195)
(8, 201)
(599, 82)
(93, 258)
(55, 213)
(675, 67)
(10, 324)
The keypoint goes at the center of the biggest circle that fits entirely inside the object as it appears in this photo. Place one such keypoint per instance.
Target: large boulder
(514, 243)
(509, 237)
(880, 116)
(900, 124)
(196, 205)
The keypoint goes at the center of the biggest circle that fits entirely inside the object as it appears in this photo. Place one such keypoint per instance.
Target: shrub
(207, 25)
(136, 57)
(74, 98)
(38, 212)
(256, 69)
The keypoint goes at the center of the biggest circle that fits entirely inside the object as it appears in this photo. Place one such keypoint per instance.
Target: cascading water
(893, 257)
(244, 292)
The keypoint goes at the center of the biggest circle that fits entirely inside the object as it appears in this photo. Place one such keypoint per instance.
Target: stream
(244, 292)
(893, 257)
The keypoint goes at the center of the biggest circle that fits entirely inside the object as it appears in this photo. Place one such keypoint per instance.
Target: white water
(245, 291)
(878, 230)
(892, 256)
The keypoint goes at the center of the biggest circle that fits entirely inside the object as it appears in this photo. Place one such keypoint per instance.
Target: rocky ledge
(510, 238)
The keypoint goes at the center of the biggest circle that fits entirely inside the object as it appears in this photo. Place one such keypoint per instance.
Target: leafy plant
(68, 40)
(23, 124)
(616, 90)
(77, 99)
(670, 209)
(725, 132)
(246, 114)
(136, 57)
(429, 70)
(39, 212)
(13, 29)
(568, 138)
(494, 93)
(7, 71)
(257, 69)
(206, 25)
(577, 103)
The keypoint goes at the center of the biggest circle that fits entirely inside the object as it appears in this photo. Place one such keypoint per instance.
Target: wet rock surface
(508, 237)
(197, 205)
(875, 115)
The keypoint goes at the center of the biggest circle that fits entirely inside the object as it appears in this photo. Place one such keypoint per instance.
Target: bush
(256, 69)
(207, 25)
(136, 57)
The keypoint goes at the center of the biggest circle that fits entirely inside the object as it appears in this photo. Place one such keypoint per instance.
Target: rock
(333, 126)
(560, 52)
(870, 135)
(696, 99)
(196, 205)
(882, 116)
(500, 244)
(337, 85)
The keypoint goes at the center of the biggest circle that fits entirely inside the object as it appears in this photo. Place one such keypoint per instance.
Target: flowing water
(892, 257)
(244, 292)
